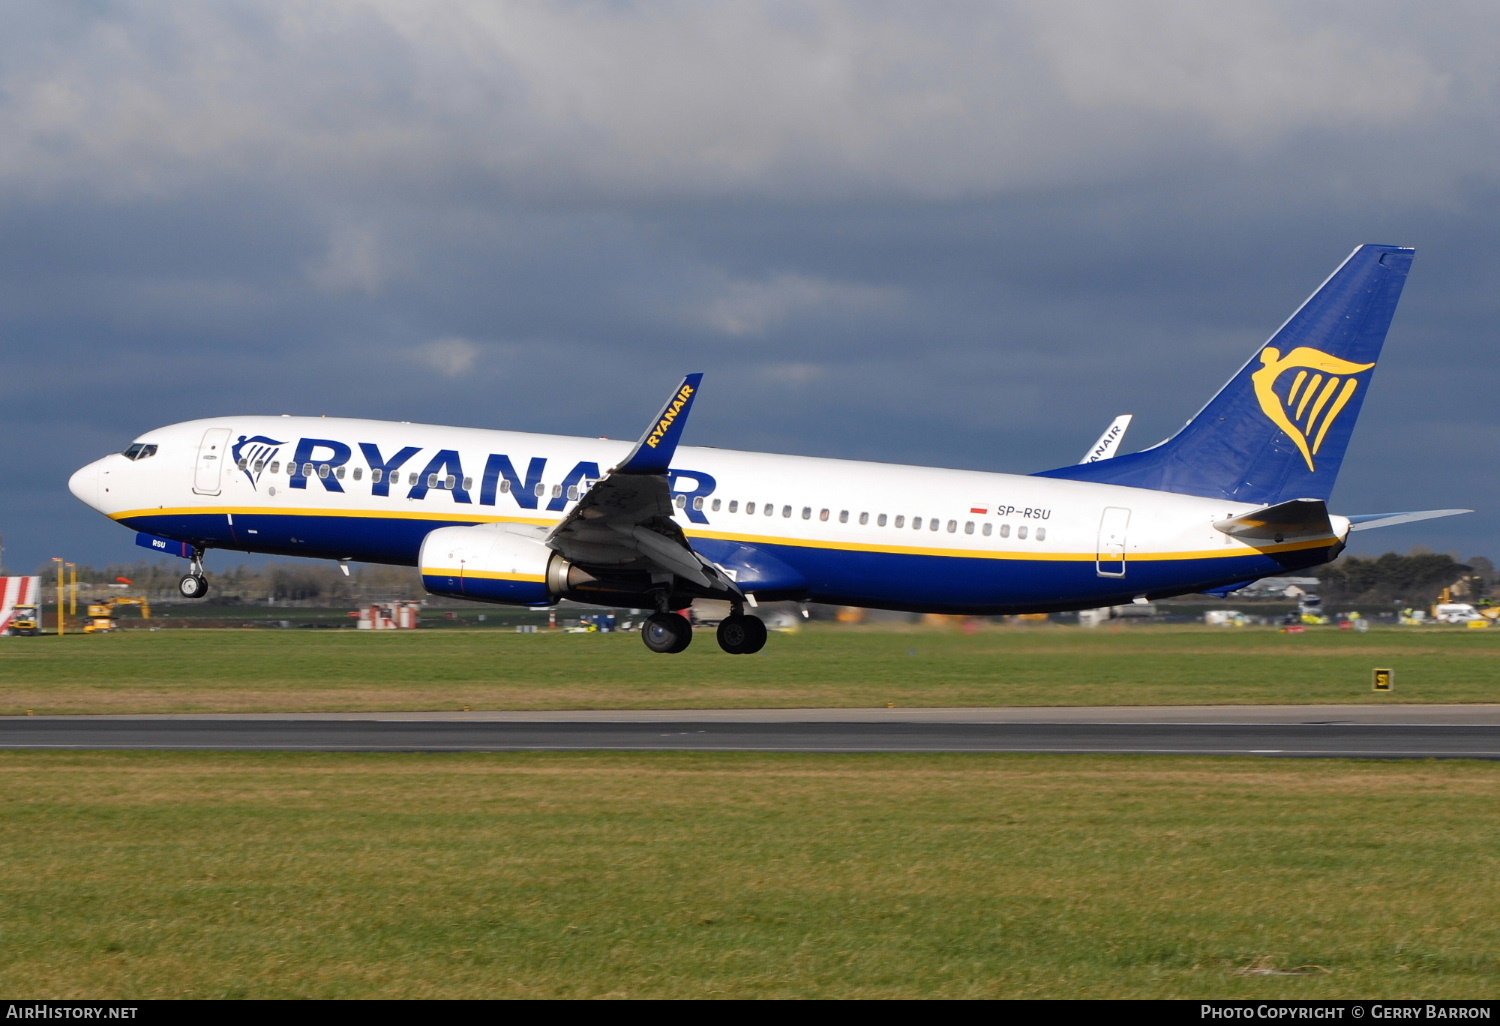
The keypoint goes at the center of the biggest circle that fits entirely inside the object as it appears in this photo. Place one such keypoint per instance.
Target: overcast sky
(963, 234)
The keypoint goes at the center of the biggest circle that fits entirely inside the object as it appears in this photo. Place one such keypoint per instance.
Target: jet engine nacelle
(495, 563)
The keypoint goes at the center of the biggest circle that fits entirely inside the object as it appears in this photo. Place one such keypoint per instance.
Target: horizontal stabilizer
(1294, 518)
(1365, 521)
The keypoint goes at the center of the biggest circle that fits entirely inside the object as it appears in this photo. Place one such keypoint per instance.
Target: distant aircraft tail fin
(1278, 430)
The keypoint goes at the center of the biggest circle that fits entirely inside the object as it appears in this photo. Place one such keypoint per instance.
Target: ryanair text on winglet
(665, 424)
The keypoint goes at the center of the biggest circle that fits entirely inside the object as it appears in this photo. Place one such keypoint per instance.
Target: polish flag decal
(979, 509)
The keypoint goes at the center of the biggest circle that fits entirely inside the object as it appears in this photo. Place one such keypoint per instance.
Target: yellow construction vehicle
(1446, 610)
(102, 614)
(24, 622)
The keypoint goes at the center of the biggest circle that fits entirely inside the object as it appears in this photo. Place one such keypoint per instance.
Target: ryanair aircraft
(499, 516)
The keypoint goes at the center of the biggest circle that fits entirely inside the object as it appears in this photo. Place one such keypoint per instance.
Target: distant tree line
(1415, 579)
(319, 584)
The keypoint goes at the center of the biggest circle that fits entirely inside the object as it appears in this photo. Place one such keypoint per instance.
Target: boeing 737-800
(1238, 494)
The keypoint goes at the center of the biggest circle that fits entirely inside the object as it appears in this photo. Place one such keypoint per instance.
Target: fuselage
(825, 530)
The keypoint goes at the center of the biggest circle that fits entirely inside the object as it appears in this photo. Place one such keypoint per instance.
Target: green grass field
(140, 875)
(259, 670)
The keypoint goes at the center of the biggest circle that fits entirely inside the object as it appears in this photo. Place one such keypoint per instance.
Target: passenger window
(716, 506)
(1041, 534)
(900, 520)
(243, 464)
(806, 512)
(468, 481)
(1005, 530)
(307, 470)
(916, 523)
(771, 509)
(968, 527)
(749, 507)
(953, 526)
(933, 524)
(1021, 531)
(843, 516)
(411, 479)
(734, 506)
(786, 511)
(681, 501)
(260, 465)
(375, 475)
(880, 521)
(504, 486)
(449, 482)
(339, 473)
(557, 491)
(358, 473)
(323, 470)
(864, 518)
(988, 528)
(698, 502)
(432, 481)
(541, 489)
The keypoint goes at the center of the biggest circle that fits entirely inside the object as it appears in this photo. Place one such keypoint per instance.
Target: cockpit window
(139, 451)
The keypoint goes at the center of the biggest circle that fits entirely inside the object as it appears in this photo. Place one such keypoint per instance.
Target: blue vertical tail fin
(1278, 430)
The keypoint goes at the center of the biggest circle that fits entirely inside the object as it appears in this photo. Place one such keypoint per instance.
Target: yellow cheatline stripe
(1027, 555)
(358, 514)
(490, 575)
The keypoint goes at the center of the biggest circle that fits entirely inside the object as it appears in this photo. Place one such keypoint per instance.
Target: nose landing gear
(194, 584)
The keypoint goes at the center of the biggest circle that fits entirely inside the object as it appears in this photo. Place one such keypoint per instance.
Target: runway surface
(1364, 731)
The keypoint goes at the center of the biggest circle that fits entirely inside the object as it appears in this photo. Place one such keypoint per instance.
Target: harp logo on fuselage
(1305, 404)
(253, 454)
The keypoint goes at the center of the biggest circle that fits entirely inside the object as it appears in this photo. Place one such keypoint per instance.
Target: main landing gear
(738, 634)
(194, 584)
(666, 632)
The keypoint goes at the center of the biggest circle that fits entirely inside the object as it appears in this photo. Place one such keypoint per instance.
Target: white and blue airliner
(1238, 494)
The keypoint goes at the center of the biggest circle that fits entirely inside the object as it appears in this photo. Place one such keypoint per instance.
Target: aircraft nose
(85, 484)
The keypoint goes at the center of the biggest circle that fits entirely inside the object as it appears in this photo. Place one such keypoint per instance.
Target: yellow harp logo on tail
(1305, 404)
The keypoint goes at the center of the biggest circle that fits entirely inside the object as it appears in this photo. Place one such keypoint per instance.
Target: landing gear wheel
(742, 634)
(193, 586)
(666, 632)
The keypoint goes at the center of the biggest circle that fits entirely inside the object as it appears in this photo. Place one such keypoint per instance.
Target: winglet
(653, 453)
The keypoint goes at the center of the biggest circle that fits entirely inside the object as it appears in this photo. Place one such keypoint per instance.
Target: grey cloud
(959, 234)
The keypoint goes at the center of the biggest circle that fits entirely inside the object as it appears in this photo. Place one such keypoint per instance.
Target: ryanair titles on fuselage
(499, 476)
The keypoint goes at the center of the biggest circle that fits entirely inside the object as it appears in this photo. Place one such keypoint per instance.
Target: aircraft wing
(625, 519)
